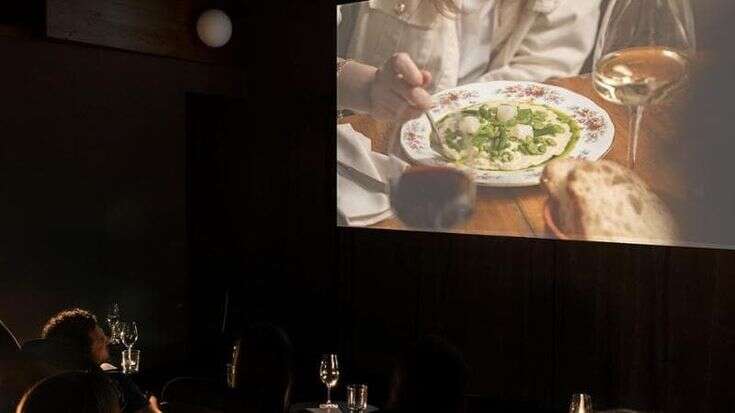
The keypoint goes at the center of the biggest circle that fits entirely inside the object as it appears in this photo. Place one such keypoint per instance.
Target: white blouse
(492, 40)
(475, 33)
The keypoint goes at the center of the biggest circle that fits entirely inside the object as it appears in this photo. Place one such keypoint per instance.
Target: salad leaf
(525, 116)
(548, 130)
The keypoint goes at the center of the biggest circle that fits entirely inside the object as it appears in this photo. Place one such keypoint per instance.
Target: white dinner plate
(597, 129)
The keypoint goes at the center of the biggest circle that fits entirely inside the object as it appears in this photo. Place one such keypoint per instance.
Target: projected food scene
(548, 119)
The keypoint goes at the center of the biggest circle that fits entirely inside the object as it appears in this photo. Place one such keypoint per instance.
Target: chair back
(17, 375)
(9, 345)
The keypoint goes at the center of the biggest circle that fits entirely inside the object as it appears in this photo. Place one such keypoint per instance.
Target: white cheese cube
(507, 112)
(469, 125)
(521, 131)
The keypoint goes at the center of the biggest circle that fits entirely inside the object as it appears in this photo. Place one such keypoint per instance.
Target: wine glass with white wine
(329, 375)
(643, 55)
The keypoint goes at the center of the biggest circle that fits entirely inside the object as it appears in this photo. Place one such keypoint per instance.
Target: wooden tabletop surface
(519, 211)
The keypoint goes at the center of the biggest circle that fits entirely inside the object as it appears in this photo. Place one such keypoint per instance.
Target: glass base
(329, 406)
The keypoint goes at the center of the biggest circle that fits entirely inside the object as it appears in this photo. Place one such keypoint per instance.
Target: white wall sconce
(214, 28)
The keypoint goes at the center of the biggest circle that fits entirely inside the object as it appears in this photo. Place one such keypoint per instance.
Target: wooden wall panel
(92, 185)
(161, 27)
(636, 326)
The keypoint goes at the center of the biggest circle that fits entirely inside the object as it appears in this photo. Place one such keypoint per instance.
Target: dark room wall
(92, 184)
(639, 327)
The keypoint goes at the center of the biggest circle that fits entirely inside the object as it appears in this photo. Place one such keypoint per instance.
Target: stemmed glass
(643, 55)
(329, 375)
(113, 320)
(128, 333)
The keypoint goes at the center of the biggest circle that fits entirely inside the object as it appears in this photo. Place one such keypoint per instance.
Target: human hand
(152, 406)
(398, 89)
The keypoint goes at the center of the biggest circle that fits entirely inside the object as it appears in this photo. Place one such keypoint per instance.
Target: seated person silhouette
(431, 377)
(72, 340)
(263, 369)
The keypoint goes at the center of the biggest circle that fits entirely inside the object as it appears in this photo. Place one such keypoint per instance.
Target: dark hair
(72, 327)
(75, 391)
(431, 377)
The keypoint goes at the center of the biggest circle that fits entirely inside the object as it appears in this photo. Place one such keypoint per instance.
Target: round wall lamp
(214, 28)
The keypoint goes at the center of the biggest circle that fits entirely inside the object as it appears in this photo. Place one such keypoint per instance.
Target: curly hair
(72, 326)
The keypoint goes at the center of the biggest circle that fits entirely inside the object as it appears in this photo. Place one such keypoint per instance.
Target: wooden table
(519, 211)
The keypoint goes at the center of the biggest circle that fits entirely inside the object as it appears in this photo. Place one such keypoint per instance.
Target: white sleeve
(339, 15)
(557, 44)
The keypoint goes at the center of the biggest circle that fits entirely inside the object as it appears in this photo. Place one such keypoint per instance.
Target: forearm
(353, 86)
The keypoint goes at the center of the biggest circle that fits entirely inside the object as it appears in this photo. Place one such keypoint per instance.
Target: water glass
(231, 378)
(581, 403)
(357, 397)
(130, 361)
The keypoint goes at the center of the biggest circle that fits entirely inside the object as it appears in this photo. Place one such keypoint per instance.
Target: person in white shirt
(392, 54)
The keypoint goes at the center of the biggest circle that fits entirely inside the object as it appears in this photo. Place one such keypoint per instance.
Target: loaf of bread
(604, 201)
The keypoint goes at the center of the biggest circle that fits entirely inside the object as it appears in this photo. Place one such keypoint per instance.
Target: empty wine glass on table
(643, 55)
(128, 333)
(329, 375)
(128, 336)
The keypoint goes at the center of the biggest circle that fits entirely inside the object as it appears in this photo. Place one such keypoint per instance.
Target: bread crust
(605, 201)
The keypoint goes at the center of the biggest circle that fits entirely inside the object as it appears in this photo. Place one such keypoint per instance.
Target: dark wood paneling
(92, 193)
(161, 27)
(635, 326)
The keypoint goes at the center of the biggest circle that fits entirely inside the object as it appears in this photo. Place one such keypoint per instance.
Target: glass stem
(329, 398)
(635, 117)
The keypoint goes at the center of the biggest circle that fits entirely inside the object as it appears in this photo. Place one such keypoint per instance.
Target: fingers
(411, 113)
(427, 78)
(404, 67)
(415, 95)
(399, 89)
(420, 98)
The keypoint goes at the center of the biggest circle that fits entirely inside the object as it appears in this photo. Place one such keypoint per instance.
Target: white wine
(329, 377)
(640, 76)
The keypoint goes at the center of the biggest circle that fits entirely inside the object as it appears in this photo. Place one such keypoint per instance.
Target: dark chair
(73, 391)
(264, 369)
(8, 343)
(193, 393)
(17, 375)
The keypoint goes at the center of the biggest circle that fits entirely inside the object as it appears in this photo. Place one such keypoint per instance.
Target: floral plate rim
(598, 130)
